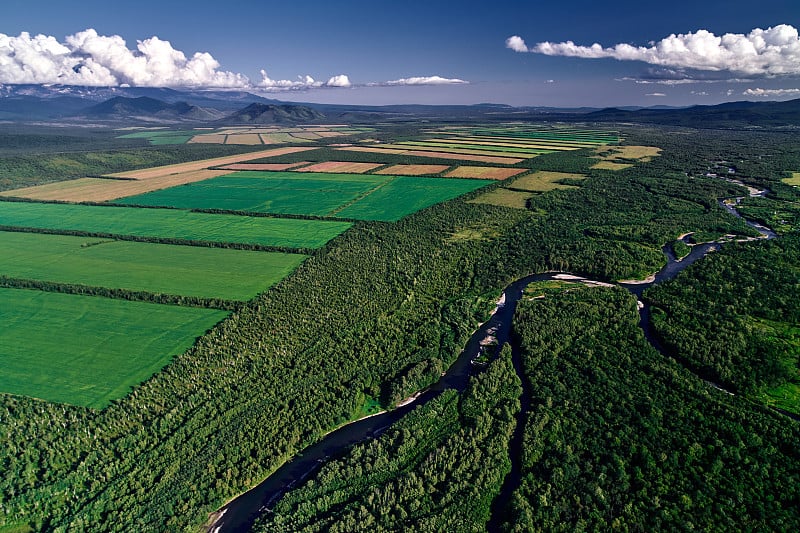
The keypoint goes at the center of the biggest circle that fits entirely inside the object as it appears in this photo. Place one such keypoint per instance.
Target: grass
(610, 165)
(266, 192)
(405, 195)
(794, 180)
(157, 268)
(172, 224)
(504, 198)
(543, 181)
(88, 351)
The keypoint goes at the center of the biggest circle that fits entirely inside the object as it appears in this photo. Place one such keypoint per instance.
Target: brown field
(413, 170)
(102, 190)
(543, 181)
(512, 143)
(440, 155)
(208, 138)
(484, 173)
(468, 151)
(504, 198)
(264, 166)
(374, 150)
(244, 138)
(340, 166)
(466, 157)
(610, 165)
(158, 172)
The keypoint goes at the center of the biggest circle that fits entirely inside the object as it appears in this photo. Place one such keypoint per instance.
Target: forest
(379, 312)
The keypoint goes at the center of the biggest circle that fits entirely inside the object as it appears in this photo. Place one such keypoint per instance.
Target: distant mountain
(149, 109)
(274, 114)
(727, 115)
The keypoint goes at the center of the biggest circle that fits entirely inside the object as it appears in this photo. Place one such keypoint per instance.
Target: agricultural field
(433, 154)
(266, 192)
(412, 170)
(88, 351)
(139, 266)
(343, 167)
(245, 135)
(543, 181)
(264, 166)
(504, 198)
(416, 193)
(484, 173)
(171, 224)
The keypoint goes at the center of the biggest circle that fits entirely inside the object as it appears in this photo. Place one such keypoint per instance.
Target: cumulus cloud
(771, 92)
(655, 94)
(340, 80)
(87, 58)
(516, 43)
(426, 80)
(771, 52)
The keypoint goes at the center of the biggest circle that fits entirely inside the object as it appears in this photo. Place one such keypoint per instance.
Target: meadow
(172, 224)
(88, 351)
(139, 266)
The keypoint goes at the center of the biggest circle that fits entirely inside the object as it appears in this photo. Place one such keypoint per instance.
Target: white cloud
(700, 93)
(87, 58)
(771, 92)
(338, 81)
(655, 94)
(516, 43)
(426, 80)
(549, 81)
(771, 52)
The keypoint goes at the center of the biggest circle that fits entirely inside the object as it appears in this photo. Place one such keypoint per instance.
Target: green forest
(617, 434)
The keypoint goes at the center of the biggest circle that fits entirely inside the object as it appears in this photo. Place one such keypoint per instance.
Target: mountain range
(134, 105)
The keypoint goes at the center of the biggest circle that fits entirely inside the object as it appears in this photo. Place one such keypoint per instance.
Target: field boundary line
(360, 197)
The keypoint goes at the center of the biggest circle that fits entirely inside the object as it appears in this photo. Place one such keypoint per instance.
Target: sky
(524, 53)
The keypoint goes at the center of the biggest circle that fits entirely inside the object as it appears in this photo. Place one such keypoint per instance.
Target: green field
(405, 195)
(265, 192)
(138, 266)
(477, 146)
(86, 350)
(172, 224)
(794, 180)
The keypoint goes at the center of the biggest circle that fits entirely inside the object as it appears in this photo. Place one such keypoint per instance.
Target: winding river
(240, 514)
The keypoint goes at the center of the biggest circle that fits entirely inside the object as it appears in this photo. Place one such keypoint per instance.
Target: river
(240, 514)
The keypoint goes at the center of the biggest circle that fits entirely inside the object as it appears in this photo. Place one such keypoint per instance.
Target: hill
(273, 114)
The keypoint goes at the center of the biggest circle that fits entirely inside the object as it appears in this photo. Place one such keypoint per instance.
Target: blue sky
(413, 51)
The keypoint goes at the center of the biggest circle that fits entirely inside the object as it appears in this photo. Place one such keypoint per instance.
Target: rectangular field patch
(172, 224)
(504, 198)
(343, 167)
(543, 181)
(244, 138)
(292, 193)
(138, 266)
(264, 166)
(413, 170)
(88, 351)
(485, 173)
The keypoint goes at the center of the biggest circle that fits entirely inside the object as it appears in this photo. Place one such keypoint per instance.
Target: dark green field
(172, 224)
(139, 266)
(406, 195)
(363, 197)
(265, 192)
(85, 350)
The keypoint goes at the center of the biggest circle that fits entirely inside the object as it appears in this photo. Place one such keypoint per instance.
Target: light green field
(86, 350)
(543, 181)
(172, 224)
(265, 192)
(137, 266)
(406, 195)
(794, 180)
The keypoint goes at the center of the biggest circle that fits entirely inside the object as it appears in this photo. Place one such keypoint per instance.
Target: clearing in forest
(794, 180)
(504, 198)
(543, 181)
(87, 350)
